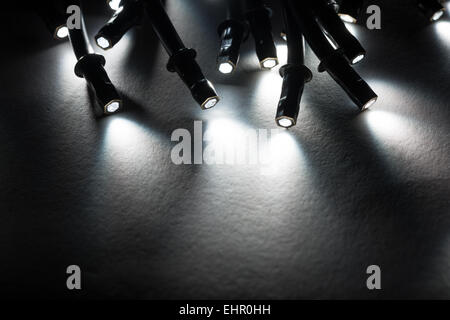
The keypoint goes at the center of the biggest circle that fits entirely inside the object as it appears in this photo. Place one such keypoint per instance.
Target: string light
(181, 59)
(432, 9)
(128, 15)
(258, 17)
(114, 4)
(334, 28)
(53, 15)
(231, 33)
(316, 22)
(90, 66)
(295, 74)
(62, 32)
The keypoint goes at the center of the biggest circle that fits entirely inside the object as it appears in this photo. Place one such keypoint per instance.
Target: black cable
(182, 59)
(90, 66)
(332, 61)
(128, 16)
(53, 15)
(295, 74)
(231, 34)
(333, 26)
(258, 16)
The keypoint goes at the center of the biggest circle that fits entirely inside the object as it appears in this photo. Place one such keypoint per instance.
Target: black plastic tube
(258, 16)
(80, 41)
(90, 66)
(122, 20)
(307, 22)
(53, 16)
(163, 27)
(231, 33)
(333, 26)
(356, 88)
(295, 74)
(332, 61)
(182, 60)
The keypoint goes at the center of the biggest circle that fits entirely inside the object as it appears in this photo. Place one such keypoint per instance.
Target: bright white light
(62, 32)
(283, 36)
(230, 142)
(270, 63)
(285, 157)
(390, 128)
(358, 59)
(114, 4)
(126, 147)
(408, 147)
(347, 18)
(370, 103)
(112, 107)
(443, 30)
(103, 43)
(267, 91)
(437, 15)
(226, 67)
(285, 122)
(210, 103)
(282, 53)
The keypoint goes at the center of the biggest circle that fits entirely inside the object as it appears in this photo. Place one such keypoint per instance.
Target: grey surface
(346, 190)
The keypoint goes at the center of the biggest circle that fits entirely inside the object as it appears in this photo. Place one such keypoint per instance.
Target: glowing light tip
(103, 43)
(437, 15)
(347, 18)
(358, 59)
(285, 122)
(113, 107)
(114, 4)
(210, 103)
(226, 68)
(62, 32)
(369, 104)
(269, 63)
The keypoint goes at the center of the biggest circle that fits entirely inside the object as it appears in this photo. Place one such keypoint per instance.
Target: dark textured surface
(346, 190)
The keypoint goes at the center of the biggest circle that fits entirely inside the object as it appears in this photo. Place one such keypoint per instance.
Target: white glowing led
(370, 103)
(437, 15)
(210, 103)
(114, 4)
(285, 122)
(347, 18)
(62, 32)
(269, 63)
(103, 43)
(358, 59)
(113, 107)
(226, 67)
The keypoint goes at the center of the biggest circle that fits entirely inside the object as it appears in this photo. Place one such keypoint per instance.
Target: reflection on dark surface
(346, 190)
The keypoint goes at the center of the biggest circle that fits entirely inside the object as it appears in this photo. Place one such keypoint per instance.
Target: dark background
(347, 190)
